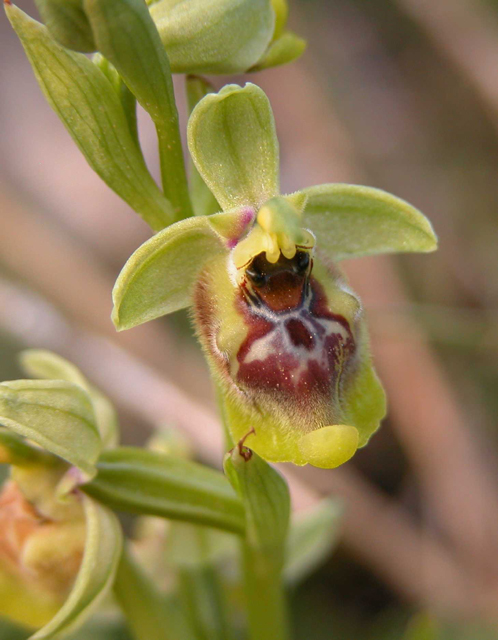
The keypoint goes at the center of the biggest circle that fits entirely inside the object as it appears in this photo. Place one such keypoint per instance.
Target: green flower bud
(200, 36)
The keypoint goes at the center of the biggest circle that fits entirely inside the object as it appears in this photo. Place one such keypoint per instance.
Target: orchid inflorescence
(284, 335)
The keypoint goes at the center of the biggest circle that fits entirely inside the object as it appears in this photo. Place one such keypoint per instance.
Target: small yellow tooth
(273, 250)
(288, 246)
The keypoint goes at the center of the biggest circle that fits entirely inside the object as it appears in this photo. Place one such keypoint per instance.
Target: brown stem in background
(466, 33)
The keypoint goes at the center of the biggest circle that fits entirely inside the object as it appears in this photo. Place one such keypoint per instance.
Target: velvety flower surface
(284, 334)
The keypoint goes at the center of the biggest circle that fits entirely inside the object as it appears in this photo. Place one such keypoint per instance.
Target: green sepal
(40, 363)
(150, 483)
(233, 143)
(350, 221)
(214, 36)
(96, 575)
(312, 536)
(159, 276)
(85, 101)
(203, 201)
(287, 48)
(68, 24)
(56, 415)
(126, 35)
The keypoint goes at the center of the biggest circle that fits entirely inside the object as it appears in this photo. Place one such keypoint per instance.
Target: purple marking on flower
(246, 218)
(299, 352)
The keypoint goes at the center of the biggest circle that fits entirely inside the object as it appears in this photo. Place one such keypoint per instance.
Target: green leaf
(312, 537)
(91, 111)
(126, 35)
(40, 363)
(96, 575)
(151, 483)
(287, 48)
(67, 22)
(350, 221)
(203, 201)
(232, 140)
(214, 36)
(159, 276)
(55, 414)
(125, 96)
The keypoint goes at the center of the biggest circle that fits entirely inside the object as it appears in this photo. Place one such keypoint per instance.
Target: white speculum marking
(279, 342)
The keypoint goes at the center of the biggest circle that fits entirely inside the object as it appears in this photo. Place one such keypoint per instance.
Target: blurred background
(396, 94)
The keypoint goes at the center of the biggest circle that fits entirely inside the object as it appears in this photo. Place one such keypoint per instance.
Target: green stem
(266, 604)
(150, 614)
(202, 595)
(173, 173)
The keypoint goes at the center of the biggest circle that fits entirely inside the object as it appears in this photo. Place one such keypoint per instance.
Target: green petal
(287, 48)
(85, 101)
(350, 221)
(151, 483)
(40, 363)
(312, 537)
(232, 140)
(57, 415)
(214, 36)
(159, 276)
(103, 546)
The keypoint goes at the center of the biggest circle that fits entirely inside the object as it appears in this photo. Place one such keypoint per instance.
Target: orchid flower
(283, 333)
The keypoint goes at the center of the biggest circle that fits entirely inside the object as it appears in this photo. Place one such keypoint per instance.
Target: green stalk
(265, 598)
(202, 595)
(173, 172)
(150, 614)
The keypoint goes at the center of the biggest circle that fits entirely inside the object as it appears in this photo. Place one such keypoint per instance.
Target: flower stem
(266, 500)
(266, 606)
(173, 172)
